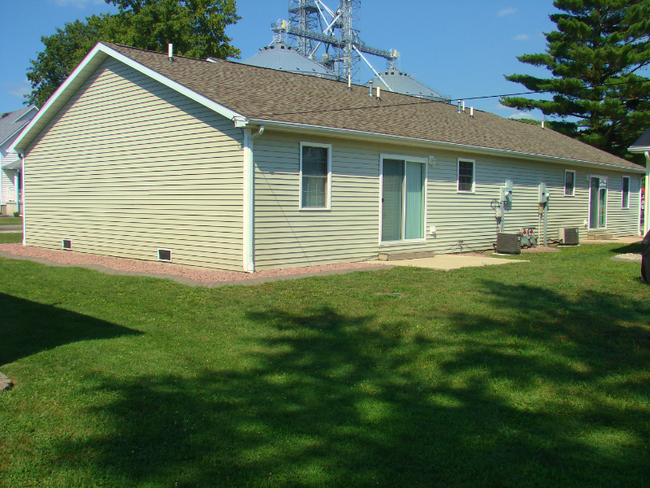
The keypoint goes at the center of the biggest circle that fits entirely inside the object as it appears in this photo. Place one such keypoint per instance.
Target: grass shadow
(329, 399)
(28, 328)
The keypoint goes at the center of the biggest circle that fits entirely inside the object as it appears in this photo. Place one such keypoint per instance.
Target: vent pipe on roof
(459, 105)
(471, 112)
(170, 51)
(350, 82)
(379, 92)
(463, 106)
(543, 124)
(370, 88)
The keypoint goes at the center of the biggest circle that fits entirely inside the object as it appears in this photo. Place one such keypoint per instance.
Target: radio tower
(312, 25)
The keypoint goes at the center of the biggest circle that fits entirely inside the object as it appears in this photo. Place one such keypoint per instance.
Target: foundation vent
(66, 244)
(165, 255)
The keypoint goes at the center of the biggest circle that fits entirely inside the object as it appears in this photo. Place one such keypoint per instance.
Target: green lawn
(11, 221)
(10, 237)
(528, 375)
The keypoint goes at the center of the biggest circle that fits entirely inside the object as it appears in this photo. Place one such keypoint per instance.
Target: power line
(425, 102)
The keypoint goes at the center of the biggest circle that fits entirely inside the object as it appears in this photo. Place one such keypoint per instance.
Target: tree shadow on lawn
(28, 328)
(329, 399)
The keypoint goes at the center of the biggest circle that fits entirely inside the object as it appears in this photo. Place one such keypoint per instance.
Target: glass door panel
(392, 198)
(414, 201)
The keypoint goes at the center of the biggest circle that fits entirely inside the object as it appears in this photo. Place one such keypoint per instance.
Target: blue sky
(461, 48)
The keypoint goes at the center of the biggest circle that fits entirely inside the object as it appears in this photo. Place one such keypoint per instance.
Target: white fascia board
(424, 143)
(92, 60)
(638, 149)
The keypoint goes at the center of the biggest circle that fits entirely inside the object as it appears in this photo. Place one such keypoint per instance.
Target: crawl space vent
(165, 255)
(66, 244)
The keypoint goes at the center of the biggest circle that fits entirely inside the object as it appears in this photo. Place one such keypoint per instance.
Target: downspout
(22, 175)
(249, 199)
(646, 210)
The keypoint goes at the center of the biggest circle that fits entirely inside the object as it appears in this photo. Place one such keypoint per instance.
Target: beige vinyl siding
(620, 221)
(287, 236)
(128, 166)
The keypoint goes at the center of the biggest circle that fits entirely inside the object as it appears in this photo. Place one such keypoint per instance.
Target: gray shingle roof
(11, 123)
(263, 94)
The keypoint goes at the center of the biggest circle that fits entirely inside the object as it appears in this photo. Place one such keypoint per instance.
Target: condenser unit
(508, 243)
(570, 236)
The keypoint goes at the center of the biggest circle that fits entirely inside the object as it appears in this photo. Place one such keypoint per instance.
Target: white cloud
(521, 37)
(74, 3)
(523, 115)
(18, 90)
(506, 11)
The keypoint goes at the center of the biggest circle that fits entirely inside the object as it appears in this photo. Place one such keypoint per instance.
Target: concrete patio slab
(447, 262)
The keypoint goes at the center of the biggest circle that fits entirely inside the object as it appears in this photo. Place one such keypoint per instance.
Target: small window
(165, 255)
(466, 175)
(315, 175)
(626, 192)
(569, 183)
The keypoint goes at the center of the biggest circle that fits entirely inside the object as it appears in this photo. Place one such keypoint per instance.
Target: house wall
(7, 189)
(128, 166)
(350, 230)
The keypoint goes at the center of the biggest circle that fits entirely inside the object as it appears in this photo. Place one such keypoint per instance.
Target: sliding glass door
(403, 200)
(598, 203)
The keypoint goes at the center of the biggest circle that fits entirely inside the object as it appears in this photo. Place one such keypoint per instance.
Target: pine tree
(596, 58)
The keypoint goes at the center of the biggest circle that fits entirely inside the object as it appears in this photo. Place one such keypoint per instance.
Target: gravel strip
(187, 275)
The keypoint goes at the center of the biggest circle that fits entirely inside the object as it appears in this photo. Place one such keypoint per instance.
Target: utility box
(528, 237)
(508, 243)
(570, 236)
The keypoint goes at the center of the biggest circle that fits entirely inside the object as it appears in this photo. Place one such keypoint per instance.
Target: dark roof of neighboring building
(282, 57)
(12, 122)
(643, 142)
(404, 83)
(268, 96)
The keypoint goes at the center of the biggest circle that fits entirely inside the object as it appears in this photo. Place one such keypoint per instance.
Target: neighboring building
(284, 58)
(230, 166)
(642, 146)
(11, 123)
(398, 82)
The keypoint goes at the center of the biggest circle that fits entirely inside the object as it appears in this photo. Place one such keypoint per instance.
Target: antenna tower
(312, 25)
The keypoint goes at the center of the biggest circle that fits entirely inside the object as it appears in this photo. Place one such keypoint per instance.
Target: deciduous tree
(195, 27)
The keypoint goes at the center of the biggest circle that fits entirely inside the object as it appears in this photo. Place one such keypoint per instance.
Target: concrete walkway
(11, 228)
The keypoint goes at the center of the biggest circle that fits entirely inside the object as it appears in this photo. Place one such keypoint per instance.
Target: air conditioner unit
(570, 236)
(508, 243)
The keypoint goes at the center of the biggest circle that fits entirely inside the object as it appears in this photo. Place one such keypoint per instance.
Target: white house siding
(129, 166)
(288, 236)
(7, 189)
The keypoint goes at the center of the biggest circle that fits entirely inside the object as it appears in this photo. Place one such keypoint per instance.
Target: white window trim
(406, 159)
(328, 190)
(574, 183)
(629, 192)
(463, 160)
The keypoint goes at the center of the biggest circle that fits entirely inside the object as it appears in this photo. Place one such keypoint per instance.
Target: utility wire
(425, 102)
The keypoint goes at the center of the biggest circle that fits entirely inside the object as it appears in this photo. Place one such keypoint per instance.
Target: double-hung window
(403, 198)
(315, 175)
(569, 183)
(625, 191)
(466, 171)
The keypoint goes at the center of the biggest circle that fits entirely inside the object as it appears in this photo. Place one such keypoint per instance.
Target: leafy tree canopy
(195, 27)
(595, 57)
